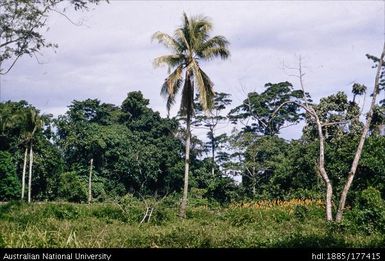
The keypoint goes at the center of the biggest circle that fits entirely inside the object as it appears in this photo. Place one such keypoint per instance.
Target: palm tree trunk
(24, 171)
(212, 154)
(360, 146)
(30, 173)
(90, 182)
(183, 205)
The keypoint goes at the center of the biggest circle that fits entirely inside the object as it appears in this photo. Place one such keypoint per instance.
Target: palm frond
(167, 41)
(202, 24)
(182, 36)
(172, 83)
(210, 93)
(216, 41)
(169, 103)
(211, 53)
(214, 47)
(204, 86)
(171, 60)
(183, 33)
(187, 103)
(200, 28)
(186, 21)
(171, 86)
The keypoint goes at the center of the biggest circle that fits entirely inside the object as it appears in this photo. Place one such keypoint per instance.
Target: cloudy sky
(111, 53)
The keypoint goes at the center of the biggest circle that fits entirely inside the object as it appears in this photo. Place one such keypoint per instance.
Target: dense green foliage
(248, 187)
(368, 214)
(9, 184)
(135, 150)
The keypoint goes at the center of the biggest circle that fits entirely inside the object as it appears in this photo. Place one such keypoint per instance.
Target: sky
(111, 52)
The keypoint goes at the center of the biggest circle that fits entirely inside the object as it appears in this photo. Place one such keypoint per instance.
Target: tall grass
(117, 224)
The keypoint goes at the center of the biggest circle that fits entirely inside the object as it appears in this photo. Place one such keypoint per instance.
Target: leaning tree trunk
(183, 205)
(30, 173)
(24, 171)
(324, 175)
(360, 146)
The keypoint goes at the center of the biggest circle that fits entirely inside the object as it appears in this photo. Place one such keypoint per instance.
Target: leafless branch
(69, 19)
(334, 123)
(306, 108)
(37, 59)
(13, 64)
(288, 125)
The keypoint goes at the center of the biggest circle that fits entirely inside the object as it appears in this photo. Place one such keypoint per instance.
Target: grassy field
(103, 225)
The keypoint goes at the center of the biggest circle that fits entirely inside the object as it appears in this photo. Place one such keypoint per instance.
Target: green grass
(105, 225)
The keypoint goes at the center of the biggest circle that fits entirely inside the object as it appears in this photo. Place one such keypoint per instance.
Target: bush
(9, 183)
(109, 212)
(72, 188)
(7, 208)
(163, 214)
(61, 211)
(301, 240)
(241, 216)
(98, 189)
(300, 212)
(132, 207)
(2, 242)
(368, 213)
(197, 197)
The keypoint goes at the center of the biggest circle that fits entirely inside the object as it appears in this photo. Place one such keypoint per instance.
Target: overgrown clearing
(294, 223)
(216, 173)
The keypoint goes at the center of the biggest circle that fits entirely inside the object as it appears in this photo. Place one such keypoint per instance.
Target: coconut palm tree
(189, 45)
(33, 122)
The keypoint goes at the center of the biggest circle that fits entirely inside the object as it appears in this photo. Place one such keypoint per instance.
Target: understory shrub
(368, 212)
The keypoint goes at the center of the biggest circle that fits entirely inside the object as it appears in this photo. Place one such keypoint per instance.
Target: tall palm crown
(32, 122)
(189, 45)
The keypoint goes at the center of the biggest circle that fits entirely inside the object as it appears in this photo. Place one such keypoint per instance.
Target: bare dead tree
(313, 116)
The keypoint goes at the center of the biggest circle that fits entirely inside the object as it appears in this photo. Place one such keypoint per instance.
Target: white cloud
(111, 54)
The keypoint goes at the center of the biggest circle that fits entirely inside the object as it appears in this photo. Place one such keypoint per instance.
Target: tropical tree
(257, 112)
(21, 24)
(211, 122)
(133, 148)
(379, 85)
(9, 120)
(332, 119)
(190, 45)
(33, 122)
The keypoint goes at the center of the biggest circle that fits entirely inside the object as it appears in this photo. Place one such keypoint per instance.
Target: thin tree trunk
(90, 182)
(212, 153)
(30, 173)
(324, 175)
(361, 143)
(24, 171)
(321, 163)
(254, 182)
(183, 204)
